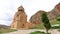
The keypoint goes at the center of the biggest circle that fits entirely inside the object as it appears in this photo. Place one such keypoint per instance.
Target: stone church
(20, 20)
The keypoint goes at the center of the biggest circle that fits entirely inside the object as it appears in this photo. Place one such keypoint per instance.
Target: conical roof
(20, 8)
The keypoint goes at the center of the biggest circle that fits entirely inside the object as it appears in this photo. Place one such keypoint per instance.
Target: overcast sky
(9, 7)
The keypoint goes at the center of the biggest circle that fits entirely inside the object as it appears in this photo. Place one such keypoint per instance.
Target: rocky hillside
(36, 18)
(4, 27)
(54, 12)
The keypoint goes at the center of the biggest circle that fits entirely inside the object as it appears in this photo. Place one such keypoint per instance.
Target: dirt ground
(32, 30)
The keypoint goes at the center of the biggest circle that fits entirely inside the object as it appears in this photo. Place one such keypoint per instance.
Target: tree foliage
(45, 20)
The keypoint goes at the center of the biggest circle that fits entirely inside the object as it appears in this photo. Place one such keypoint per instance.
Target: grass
(54, 22)
(37, 32)
(6, 30)
(59, 30)
(39, 26)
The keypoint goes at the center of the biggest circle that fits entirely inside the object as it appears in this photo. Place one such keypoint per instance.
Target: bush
(37, 32)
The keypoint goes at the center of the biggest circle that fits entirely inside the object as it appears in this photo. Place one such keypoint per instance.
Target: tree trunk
(47, 31)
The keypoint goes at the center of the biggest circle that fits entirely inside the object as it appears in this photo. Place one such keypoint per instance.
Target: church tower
(20, 18)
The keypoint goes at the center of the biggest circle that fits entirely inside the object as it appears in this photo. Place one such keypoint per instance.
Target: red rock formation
(36, 18)
(58, 6)
(54, 13)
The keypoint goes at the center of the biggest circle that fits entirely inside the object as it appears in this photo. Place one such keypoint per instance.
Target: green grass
(37, 32)
(54, 22)
(39, 26)
(59, 30)
(7, 30)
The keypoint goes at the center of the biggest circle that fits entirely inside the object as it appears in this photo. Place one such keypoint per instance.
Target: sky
(9, 7)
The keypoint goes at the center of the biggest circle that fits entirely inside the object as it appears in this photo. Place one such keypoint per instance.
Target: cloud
(6, 12)
(6, 18)
(4, 22)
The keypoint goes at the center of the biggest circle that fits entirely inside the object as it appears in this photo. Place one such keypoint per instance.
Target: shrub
(37, 32)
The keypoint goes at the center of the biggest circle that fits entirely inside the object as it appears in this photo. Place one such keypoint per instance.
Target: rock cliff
(36, 18)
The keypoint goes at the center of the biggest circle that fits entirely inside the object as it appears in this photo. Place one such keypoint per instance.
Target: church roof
(20, 6)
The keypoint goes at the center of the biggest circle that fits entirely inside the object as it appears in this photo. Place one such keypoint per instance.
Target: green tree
(45, 21)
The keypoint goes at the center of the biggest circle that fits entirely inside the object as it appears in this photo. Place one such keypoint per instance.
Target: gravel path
(55, 32)
(32, 30)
